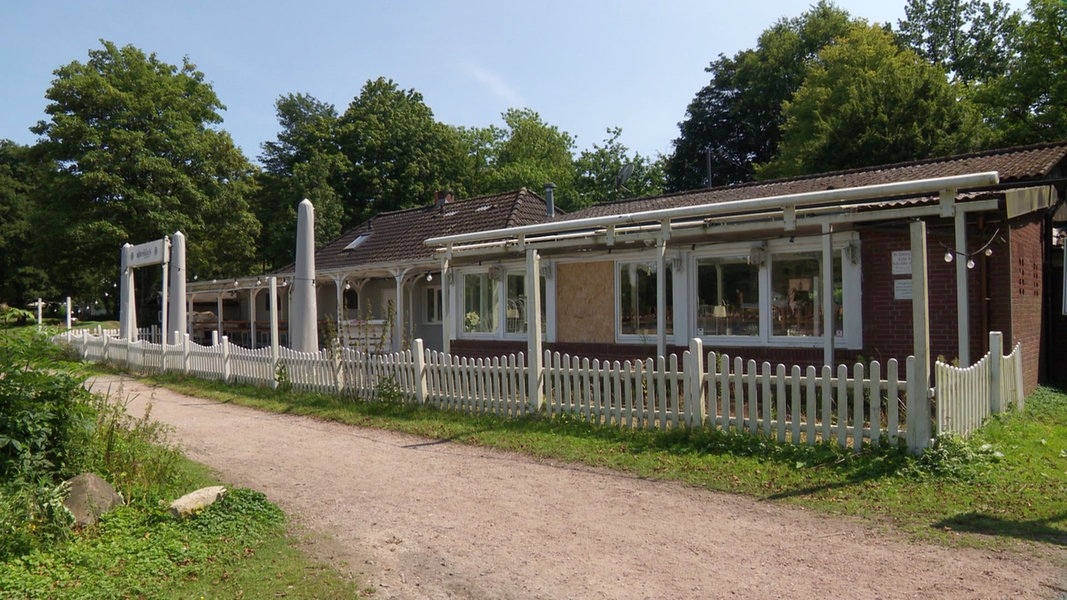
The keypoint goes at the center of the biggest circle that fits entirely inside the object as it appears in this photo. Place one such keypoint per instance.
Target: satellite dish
(624, 175)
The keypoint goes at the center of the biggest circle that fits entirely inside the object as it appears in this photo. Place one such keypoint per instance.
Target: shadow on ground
(1036, 530)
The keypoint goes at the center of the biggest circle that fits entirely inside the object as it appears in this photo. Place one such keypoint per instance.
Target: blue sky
(584, 66)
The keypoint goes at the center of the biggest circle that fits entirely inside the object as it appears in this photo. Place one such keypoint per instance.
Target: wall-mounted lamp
(429, 277)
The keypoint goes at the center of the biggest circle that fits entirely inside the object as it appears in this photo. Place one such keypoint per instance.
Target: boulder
(90, 496)
(193, 502)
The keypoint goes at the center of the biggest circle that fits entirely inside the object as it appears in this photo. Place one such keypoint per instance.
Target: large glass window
(778, 296)
(515, 311)
(479, 303)
(637, 299)
(796, 294)
(727, 296)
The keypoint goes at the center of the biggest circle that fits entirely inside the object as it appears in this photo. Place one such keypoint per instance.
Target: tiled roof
(1013, 165)
(397, 237)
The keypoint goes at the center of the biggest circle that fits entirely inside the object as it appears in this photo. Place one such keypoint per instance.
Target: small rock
(90, 496)
(193, 502)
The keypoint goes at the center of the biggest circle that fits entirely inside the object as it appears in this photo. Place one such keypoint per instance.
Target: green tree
(598, 173)
(305, 161)
(136, 158)
(973, 40)
(19, 176)
(529, 153)
(1029, 104)
(399, 155)
(866, 101)
(736, 119)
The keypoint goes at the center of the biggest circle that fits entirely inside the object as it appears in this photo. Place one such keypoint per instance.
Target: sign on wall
(902, 262)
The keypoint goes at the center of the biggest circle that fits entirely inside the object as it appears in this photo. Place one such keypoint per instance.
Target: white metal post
(661, 290)
(828, 316)
(446, 303)
(918, 417)
(274, 351)
(535, 375)
(963, 314)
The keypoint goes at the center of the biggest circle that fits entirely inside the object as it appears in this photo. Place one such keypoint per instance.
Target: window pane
(516, 307)
(479, 303)
(433, 304)
(727, 296)
(796, 289)
(637, 299)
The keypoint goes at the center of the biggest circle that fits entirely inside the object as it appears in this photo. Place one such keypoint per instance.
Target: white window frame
(680, 327)
(846, 245)
(500, 292)
(433, 312)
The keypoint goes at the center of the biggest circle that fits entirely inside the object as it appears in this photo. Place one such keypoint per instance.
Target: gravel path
(416, 518)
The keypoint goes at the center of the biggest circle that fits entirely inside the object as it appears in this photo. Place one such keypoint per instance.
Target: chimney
(550, 199)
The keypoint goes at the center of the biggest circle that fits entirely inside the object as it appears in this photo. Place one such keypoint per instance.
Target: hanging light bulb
(348, 286)
(970, 263)
(948, 257)
(989, 252)
(429, 277)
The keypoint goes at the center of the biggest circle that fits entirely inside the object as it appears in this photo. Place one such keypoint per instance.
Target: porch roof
(852, 191)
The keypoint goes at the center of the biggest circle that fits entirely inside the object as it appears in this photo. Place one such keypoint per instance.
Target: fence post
(419, 355)
(694, 396)
(225, 359)
(996, 357)
(103, 351)
(185, 354)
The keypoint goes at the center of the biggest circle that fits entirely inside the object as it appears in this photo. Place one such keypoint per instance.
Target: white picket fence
(866, 404)
(965, 397)
(794, 405)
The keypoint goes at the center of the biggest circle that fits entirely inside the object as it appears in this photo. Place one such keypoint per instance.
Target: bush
(45, 416)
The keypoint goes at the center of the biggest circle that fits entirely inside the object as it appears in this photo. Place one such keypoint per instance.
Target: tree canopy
(135, 158)
(973, 40)
(1029, 103)
(305, 161)
(866, 101)
(737, 117)
(399, 154)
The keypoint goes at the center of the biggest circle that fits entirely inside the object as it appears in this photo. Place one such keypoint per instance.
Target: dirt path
(414, 518)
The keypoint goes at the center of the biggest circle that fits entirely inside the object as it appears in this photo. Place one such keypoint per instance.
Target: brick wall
(1027, 296)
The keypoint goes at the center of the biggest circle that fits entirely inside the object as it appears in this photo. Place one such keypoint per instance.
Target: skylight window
(356, 242)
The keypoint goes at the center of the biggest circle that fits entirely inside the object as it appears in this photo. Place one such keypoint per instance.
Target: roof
(1013, 165)
(397, 237)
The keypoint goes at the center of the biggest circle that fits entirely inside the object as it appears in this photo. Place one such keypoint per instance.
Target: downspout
(661, 289)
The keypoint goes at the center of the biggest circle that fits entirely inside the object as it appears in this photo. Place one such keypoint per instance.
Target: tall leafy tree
(305, 161)
(399, 155)
(736, 119)
(1029, 104)
(19, 176)
(599, 173)
(866, 101)
(973, 40)
(527, 152)
(137, 158)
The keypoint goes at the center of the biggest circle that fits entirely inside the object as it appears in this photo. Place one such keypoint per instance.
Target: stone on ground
(194, 502)
(90, 496)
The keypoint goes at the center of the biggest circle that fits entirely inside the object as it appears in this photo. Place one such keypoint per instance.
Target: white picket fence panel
(965, 397)
(866, 404)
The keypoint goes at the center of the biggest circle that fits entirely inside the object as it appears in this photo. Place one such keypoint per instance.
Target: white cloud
(496, 86)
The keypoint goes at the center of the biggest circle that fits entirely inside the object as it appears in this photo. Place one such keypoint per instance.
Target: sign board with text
(148, 253)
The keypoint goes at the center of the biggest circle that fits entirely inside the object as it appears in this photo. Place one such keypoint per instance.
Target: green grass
(1006, 484)
(51, 428)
